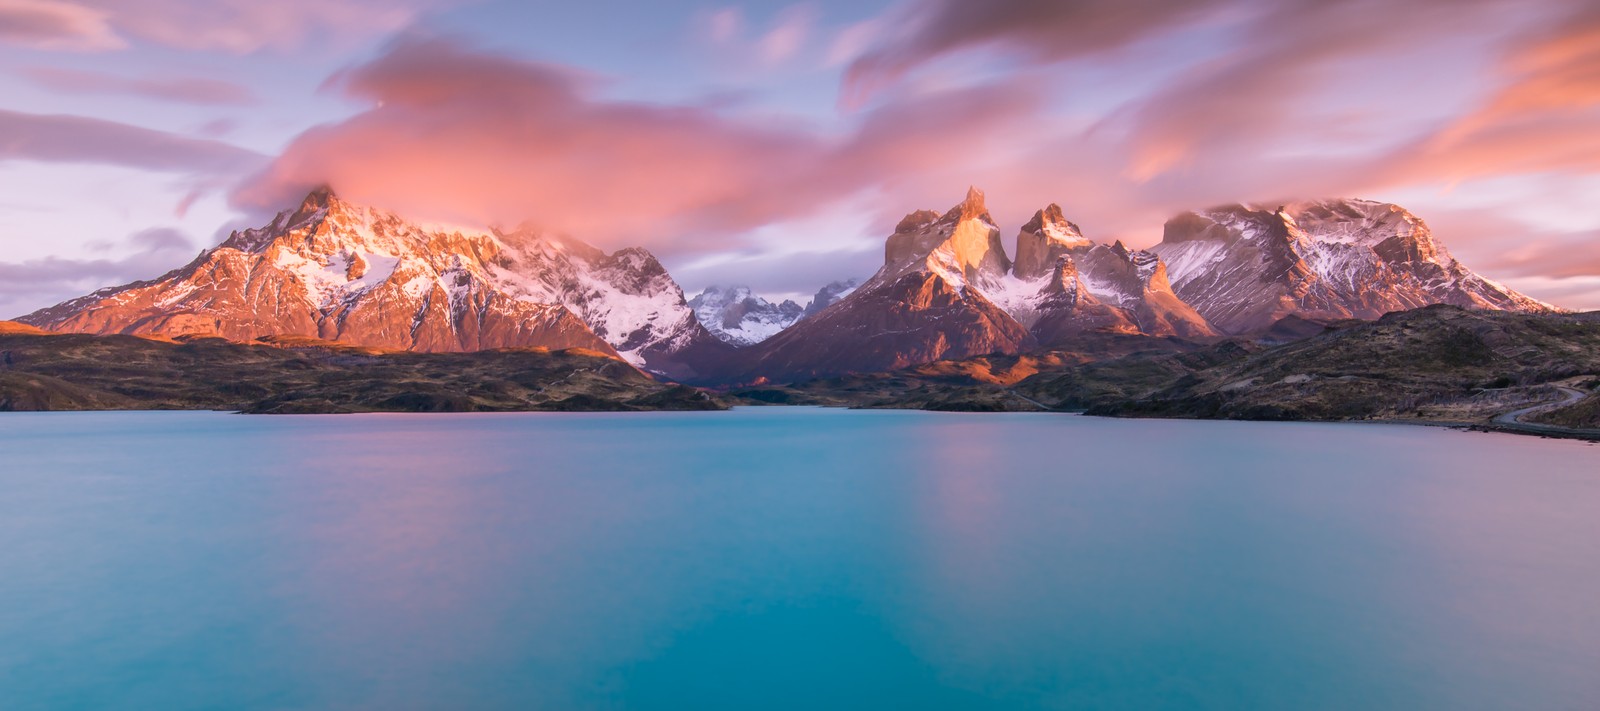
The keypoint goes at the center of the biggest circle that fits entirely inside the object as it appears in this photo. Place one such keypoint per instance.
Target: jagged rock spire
(963, 244)
(1045, 238)
(970, 208)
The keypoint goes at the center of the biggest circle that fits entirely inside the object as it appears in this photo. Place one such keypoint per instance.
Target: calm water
(790, 559)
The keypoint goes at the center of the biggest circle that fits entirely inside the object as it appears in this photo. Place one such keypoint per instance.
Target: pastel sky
(775, 144)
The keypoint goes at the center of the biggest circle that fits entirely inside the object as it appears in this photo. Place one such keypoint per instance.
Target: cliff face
(1044, 240)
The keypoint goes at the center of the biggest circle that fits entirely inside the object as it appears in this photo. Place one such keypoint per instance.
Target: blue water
(790, 559)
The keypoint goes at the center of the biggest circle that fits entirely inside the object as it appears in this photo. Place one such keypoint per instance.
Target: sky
(776, 144)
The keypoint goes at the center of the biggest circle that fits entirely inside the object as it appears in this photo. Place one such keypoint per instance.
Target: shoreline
(1516, 428)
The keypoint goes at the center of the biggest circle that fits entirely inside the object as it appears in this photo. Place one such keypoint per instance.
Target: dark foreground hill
(41, 371)
(1439, 364)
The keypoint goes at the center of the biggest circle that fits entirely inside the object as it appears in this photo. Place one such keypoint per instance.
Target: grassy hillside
(80, 372)
(1439, 363)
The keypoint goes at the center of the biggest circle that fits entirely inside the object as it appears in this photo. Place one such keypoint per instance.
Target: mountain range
(947, 290)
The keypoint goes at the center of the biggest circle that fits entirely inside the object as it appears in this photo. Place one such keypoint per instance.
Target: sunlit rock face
(926, 303)
(1064, 284)
(354, 274)
(1246, 267)
(1044, 240)
(947, 289)
(962, 246)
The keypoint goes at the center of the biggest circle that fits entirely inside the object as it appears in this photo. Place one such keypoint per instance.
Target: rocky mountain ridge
(947, 290)
(341, 272)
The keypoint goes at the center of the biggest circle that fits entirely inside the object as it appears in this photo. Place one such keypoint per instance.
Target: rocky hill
(42, 371)
(1438, 363)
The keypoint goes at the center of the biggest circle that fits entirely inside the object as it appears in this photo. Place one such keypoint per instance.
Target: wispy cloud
(37, 282)
(78, 139)
(460, 134)
(235, 26)
(189, 90)
(789, 37)
(56, 24)
(921, 31)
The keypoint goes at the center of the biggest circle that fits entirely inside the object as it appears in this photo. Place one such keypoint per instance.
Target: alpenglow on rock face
(1089, 287)
(922, 305)
(947, 290)
(342, 272)
(1246, 267)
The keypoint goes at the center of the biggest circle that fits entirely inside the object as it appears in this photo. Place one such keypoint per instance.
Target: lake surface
(788, 558)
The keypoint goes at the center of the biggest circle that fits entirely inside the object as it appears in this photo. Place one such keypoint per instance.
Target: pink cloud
(78, 139)
(242, 26)
(1542, 119)
(189, 90)
(56, 24)
(460, 135)
(740, 46)
(236, 26)
(921, 31)
(788, 34)
(725, 24)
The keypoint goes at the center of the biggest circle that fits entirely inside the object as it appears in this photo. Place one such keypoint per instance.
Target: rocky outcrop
(1044, 240)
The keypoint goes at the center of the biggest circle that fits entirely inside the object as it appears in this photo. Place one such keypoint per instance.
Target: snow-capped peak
(736, 315)
(340, 271)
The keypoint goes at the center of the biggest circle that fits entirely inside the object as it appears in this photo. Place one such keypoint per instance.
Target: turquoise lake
(791, 558)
